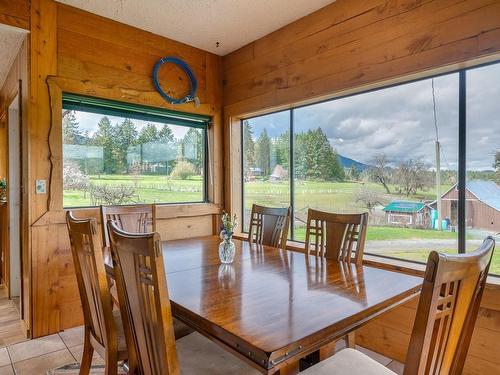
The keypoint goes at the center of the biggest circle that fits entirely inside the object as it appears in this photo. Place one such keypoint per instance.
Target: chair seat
(348, 361)
(199, 355)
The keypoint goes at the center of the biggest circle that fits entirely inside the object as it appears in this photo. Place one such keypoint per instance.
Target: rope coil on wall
(193, 82)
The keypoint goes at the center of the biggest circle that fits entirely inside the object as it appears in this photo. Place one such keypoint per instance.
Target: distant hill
(348, 162)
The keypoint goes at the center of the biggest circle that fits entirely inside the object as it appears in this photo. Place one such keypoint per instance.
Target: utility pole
(438, 183)
(438, 161)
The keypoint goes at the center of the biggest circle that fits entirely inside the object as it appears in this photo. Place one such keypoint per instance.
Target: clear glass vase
(226, 251)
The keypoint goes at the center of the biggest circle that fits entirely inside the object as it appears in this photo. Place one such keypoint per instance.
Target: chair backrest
(91, 278)
(144, 301)
(269, 226)
(336, 236)
(447, 310)
(140, 218)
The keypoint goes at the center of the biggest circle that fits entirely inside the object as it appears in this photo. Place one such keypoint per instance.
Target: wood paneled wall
(349, 46)
(353, 43)
(78, 52)
(15, 13)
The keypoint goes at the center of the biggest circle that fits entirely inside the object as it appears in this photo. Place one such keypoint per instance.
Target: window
(115, 153)
(266, 141)
(483, 158)
(392, 152)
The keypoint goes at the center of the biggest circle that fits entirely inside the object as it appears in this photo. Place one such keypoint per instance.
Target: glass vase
(226, 251)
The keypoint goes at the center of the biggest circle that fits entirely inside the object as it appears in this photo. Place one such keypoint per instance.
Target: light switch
(41, 187)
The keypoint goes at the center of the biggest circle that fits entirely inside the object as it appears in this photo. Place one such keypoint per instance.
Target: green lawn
(149, 189)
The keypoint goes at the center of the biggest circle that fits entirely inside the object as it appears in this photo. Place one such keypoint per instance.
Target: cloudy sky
(399, 121)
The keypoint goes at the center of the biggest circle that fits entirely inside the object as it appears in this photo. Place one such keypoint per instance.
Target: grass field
(327, 196)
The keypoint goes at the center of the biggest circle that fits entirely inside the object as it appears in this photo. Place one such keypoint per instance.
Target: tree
(166, 134)
(282, 150)
(105, 137)
(315, 158)
(248, 148)
(354, 172)
(71, 132)
(381, 172)
(369, 199)
(148, 134)
(411, 176)
(192, 148)
(125, 137)
(263, 153)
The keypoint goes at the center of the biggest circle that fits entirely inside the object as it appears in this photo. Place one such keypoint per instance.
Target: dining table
(271, 307)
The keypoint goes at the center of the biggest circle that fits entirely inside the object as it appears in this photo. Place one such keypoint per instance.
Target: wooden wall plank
(15, 13)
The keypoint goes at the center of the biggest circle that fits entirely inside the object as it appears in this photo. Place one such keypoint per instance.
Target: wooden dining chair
(140, 218)
(451, 294)
(145, 306)
(336, 236)
(103, 326)
(269, 226)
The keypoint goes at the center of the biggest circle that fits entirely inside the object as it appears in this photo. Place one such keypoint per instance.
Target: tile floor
(36, 356)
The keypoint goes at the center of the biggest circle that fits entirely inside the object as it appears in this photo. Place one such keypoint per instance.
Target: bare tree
(411, 176)
(381, 172)
(369, 199)
(110, 195)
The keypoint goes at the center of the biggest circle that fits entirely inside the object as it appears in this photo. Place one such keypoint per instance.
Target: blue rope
(193, 82)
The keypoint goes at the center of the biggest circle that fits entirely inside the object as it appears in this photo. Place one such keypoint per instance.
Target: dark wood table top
(271, 306)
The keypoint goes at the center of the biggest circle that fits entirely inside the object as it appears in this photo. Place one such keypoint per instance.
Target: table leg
(290, 369)
(327, 351)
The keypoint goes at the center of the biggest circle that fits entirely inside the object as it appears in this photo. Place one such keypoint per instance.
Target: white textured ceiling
(203, 23)
(10, 41)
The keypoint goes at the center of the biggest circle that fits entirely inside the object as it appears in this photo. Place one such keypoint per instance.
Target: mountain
(348, 162)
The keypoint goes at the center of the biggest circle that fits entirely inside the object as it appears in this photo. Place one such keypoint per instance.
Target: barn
(408, 214)
(482, 205)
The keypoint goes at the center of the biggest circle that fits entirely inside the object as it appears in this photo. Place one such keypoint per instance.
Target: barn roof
(404, 206)
(486, 191)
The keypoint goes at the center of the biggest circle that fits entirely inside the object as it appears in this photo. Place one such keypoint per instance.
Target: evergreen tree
(72, 134)
(496, 165)
(166, 134)
(248, 148)
(148, 134)
(315, 158)
(263, 153)
(192, 148)
(104, 137)
(125, 137)
(354, 173)
(282, 149)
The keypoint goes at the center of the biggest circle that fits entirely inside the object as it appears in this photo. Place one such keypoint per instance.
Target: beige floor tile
(4, 357)
(397, 367)
(6, 370)
(36, 347)
(77, 352)
(375, 356)
(72, 336)
(40, 365)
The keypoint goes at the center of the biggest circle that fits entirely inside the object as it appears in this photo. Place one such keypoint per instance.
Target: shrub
(183, 170)
(73, 177)
(110, 195)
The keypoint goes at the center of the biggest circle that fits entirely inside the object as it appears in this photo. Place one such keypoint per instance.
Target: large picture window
(394, 153)
(123, 154)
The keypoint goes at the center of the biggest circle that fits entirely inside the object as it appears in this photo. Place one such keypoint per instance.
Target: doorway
(14, 201)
